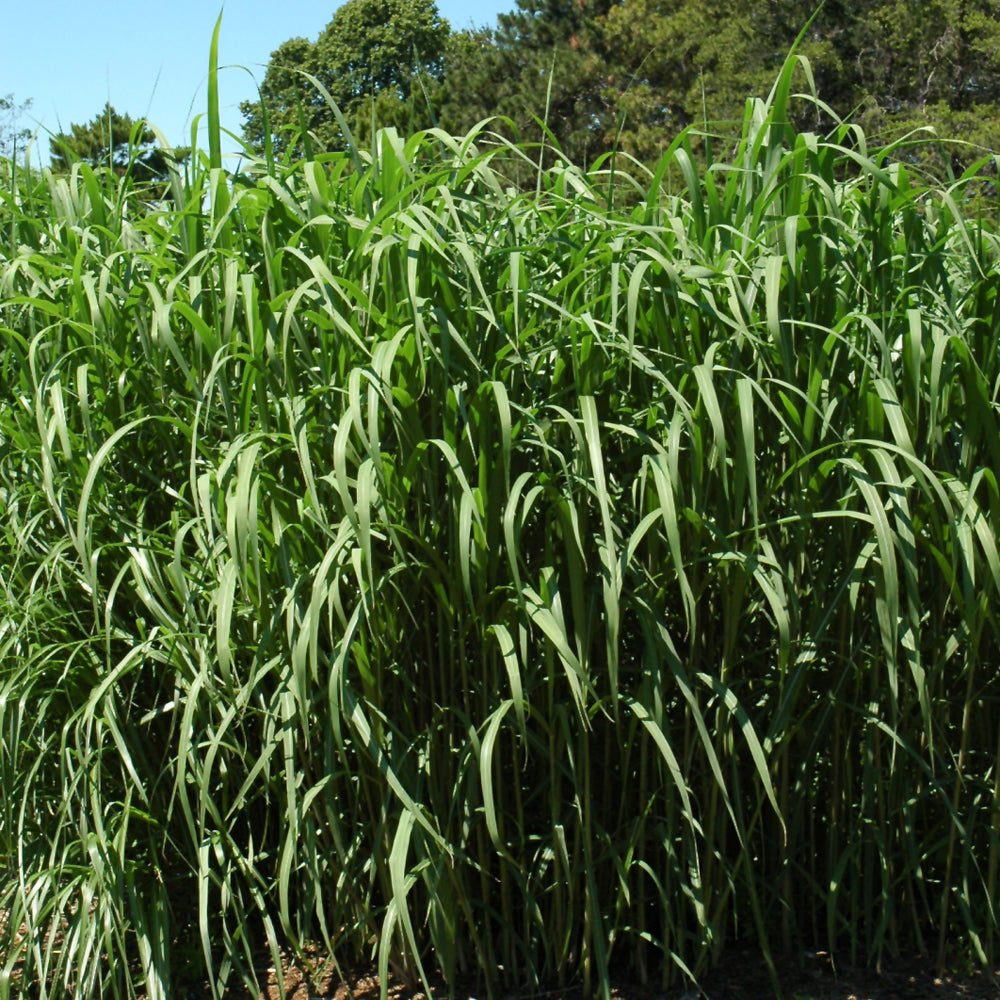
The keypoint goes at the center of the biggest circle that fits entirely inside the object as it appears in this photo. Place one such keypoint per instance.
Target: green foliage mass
(685, 62)
(892, 67)
(114, 142)
(371, 51)
(592, 76)
(545, 71)
(516, 586)
(935, 66)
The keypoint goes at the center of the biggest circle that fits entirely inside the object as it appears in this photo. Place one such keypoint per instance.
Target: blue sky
(150, 59)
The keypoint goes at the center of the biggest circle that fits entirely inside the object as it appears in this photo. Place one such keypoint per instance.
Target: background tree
(115, 142)
(12, 135)
(289, 98)
(372, 54)
(685, 62)
(547, 62)
(889, 65)
(936, 65)
(631, 74)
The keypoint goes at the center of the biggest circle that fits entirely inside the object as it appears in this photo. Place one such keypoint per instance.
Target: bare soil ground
(742, 975)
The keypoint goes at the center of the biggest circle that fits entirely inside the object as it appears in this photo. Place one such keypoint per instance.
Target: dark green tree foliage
(291, 101)
(546, 62)
(936, 64)
(371, 57)
(894, 66)
(691, 62)
(595, 75)
(12, 135)
(114, 142)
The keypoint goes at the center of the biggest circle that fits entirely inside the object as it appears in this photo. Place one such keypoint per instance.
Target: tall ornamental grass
(524, 587)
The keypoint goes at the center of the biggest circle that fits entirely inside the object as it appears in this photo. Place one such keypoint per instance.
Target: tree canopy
(936, 65)
(890, 66)
(630, 74)
(372, 50)
(545, 66)
(115, 142)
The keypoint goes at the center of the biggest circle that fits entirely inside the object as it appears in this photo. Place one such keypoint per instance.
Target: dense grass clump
(519, 585)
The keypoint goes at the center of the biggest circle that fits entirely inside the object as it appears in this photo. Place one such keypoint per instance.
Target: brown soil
(741, 976)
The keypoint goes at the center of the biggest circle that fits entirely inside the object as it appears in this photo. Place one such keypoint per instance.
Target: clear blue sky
(150, 59)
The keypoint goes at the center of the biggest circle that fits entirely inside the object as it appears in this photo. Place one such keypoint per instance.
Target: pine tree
(114, 142)
(544, 69)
